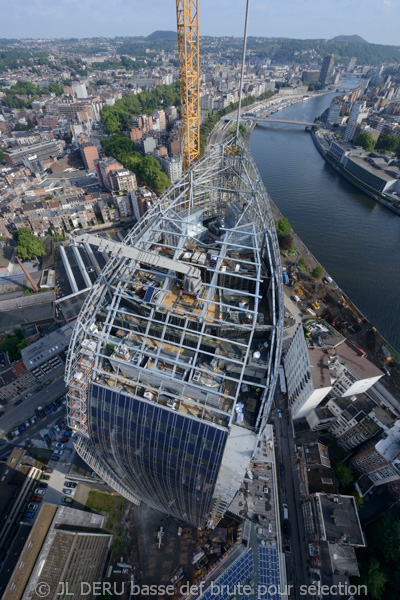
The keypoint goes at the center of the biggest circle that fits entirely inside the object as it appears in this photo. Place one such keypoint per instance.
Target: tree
(28, 245)
(389, 143)
(374, 579)
(285, 242)
(13, 344)
(318, 272)
(283, 227)
(385, 535)
(365, 140)
(302, 264)
(344, 474)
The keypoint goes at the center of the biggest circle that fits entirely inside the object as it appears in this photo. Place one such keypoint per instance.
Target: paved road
(293, 532)
(14, 415)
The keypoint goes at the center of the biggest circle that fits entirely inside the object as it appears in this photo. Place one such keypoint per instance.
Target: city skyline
(376, 22)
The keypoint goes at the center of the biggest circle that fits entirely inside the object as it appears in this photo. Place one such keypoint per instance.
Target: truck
(285, 278)
(285, 512)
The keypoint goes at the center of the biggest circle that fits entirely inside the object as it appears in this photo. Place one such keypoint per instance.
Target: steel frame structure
(193, 354)
(188, 54)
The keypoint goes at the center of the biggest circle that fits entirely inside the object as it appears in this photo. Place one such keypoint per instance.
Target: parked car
(46, 438)
(58, 452)
(21, 428)
(67, 433)
(70, 484)
(56, 427)
(66, 500)
(43, 413)
(40, 492)
(27, 424)
(60, 445)
(52, 434)
(53, 407)
(33, 506)
(16, 431)
(2, 442)
(48, 410)
(61, 424)
(43, 485)
(37, 499)
(47, 469)
(9, 436)
(46, 477)
(33, 420)
(17, 402)
(28, 395)
(57, 403)
(69, 492)
(63, 401)
(29, 515)
(64, 440)
(54, 457)
(38, 416)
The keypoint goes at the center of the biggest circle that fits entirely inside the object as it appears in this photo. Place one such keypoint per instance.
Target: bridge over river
(273, 120)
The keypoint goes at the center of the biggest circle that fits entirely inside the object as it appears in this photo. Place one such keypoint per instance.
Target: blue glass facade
(169, 460)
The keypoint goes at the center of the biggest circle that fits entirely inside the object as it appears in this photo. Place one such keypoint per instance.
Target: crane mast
(188, 52)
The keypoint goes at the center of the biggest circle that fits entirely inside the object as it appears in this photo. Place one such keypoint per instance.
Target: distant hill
(348, 39)
(161, 35)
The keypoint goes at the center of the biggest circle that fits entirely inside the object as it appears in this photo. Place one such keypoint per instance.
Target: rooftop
(354, 360)
(340, 520)
(47, 347)
(373, 170)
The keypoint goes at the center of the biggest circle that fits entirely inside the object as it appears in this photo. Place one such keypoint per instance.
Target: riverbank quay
(358, 184)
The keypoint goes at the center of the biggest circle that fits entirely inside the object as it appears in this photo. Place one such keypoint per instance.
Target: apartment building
(89, 154)
(122, 180)
(381, 461)
(313, 373)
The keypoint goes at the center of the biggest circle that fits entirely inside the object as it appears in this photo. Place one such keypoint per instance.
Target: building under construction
(174, 358)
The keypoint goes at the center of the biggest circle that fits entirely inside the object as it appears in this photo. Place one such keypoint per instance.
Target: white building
(334, 112)
(80, 90)
(149, 145)
(302, 394)
(352, 130)
(124, 206)
(313, 373)
(358, 112)
(172, 167)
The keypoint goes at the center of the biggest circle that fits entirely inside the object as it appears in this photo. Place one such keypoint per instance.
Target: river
(356, 239)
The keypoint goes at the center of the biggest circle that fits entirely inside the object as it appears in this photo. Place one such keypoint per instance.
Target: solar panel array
(268, 584)
(237, 573)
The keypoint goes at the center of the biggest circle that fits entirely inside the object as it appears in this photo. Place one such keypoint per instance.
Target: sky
(377, 21)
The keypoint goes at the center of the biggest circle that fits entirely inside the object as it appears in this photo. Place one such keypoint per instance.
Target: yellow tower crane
(188, 52)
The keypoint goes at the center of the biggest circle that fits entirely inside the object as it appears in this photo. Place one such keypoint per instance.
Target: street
(14, 415)
(293, 535)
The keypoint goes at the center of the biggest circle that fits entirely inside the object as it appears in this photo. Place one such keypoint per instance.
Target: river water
(356, 239)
